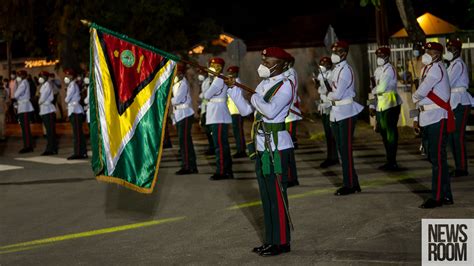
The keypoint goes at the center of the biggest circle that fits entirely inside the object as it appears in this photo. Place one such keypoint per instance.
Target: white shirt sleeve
(432, 78)
(182, 93)
(216, 86)
(244, 107)
(344, 80)
(20, 90)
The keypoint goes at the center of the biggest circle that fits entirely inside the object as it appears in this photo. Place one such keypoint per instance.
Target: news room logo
(447, 241)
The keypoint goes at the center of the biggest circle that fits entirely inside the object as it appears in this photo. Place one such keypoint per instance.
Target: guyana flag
(129, 99)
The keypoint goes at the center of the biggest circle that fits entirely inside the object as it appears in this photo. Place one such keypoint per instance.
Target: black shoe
(448, 201)
(221, 177)
(241, 154)
(77, 157)
(430, 204)
(210, 152)
(326, 163)
(271, 250)
(391, 167)
(285, 248)
(183, 171)
(167, 146)
(293, 183)
(46, 153)
(259, 249)
(26, 150)
(458, 173)
(342, 191)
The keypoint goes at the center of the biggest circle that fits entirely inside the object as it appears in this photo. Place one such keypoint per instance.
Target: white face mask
(176, 79)
(448, 56)
(426, 59)
(12, 76)
(335, 58)
(18, 79)
(265, 72)
(323, 69)
(416, 53)
(86, 80)
(41, 80)
(380, 61)
(67, 80)
(201, 77)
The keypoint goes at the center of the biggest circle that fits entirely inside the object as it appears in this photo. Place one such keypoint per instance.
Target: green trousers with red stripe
(49, 121)
(330, 141)
(437, 137)
(76, 121)
(25, 121)
(343, 131)
(277, 229)
(457, 139)
(186, 147)
(238, 130)
(208, 132)
(387, 121)
(220, 136)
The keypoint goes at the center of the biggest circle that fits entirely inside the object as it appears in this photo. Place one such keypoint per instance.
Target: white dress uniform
(459, 82)
(324, 106)
(386, 89)
(181, 101)
(46, 98)
(217, 111)
(292, 76)
(343, 82)
(432, 79)
(22, 95)
(73, 96)
(273, 112)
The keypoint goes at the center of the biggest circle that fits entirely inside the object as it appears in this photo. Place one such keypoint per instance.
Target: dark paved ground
(55, 213)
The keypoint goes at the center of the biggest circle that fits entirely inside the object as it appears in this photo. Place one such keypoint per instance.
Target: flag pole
(173, 57)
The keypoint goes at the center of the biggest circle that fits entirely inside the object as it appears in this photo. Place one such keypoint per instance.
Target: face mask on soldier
(335, 58)
(380, 61)
(426, 59)
(67, 80)
(86, 80)
(448, 56)
(201, 77)
(265, 72)
(323, 69)
(41, 80)
(18, 79)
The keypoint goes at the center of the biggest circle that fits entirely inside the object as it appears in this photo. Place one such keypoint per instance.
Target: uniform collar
(342, 63)
(276, 78)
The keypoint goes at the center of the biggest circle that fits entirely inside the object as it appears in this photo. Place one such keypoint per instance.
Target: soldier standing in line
(460, 103)
(218, 117)
(76, 115)
(25, 110)
(437, 120)
(273, 144)
(343, 115)
(387, 106)
(48, 113)
(183, 114)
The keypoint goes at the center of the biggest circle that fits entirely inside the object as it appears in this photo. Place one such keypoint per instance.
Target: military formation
(442, 102)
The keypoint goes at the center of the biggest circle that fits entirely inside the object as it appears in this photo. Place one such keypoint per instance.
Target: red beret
(456, 43)
(277, 52)
(69, 72)
(217, 60)
(233, 69)
(181, 68)
(325, 59)
(44, 73)
(383, 50)
(340, 44)
(434, 46)
(21, 73)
